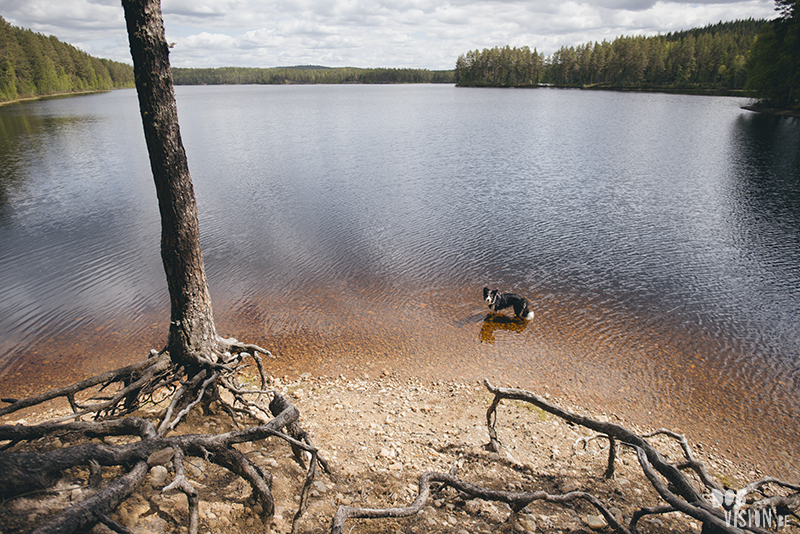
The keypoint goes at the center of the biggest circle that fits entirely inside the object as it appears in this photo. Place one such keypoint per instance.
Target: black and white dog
(498, 301)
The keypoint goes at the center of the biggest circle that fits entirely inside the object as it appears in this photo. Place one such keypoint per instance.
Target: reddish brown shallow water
(644, 376)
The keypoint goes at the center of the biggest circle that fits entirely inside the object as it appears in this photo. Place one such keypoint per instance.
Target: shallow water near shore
(351, 229)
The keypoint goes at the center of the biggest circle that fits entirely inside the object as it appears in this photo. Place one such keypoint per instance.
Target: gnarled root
(23, 472)
(157, 380)
(678, 490)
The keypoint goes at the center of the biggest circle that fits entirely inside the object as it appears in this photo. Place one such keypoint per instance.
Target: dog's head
(489, 295)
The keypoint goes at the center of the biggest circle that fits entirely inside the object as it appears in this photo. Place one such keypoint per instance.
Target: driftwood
(516, 500)
(680, 492)
(156, 379)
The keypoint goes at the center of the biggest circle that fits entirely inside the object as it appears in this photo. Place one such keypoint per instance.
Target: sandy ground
(379, 434)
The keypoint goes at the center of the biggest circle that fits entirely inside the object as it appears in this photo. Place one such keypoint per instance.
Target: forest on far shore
(711, 57)
(32, 64)
(758, 58)
(307, 74)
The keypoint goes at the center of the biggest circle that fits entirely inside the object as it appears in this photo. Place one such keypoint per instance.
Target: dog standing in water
(498, 301)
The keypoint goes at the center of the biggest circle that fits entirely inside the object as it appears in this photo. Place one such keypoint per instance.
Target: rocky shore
(379, 434)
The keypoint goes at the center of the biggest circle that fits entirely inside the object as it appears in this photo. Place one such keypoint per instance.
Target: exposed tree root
(186, 387)
(155, 365)
(116, 470)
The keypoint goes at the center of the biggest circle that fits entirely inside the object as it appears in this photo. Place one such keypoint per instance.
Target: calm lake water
(351, 230)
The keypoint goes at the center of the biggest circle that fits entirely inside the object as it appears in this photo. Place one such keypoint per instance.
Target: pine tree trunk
(192, 331)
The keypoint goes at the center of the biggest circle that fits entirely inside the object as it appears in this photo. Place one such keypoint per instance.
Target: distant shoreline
(766, 110)
(58, 95)
(757, 108)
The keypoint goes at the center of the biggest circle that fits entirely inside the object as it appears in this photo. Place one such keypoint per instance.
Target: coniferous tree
(32, 64)
(710, 58)
(773, 67)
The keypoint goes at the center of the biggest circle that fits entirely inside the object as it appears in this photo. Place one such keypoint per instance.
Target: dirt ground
(379, 434)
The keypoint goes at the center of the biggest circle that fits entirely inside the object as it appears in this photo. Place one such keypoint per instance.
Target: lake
(350, 229)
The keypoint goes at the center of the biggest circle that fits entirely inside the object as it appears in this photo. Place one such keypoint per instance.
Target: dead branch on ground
(517, 500)
(680, 492)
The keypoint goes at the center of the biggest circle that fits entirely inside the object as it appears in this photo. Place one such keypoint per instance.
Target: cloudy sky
(367, 33)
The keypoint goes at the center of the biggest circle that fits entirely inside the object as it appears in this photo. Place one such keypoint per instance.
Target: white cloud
(367, 33)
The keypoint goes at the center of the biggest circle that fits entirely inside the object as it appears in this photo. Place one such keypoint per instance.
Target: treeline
(308, 74)
(500, 67)
(32, 64)
(773, 67)
(713, 57)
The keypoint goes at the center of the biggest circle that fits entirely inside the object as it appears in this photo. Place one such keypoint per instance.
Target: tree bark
(191, 332)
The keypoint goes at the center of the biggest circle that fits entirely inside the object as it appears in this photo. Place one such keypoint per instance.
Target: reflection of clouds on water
(79, 239)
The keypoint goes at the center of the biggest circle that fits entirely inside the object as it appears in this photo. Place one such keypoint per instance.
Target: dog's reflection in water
(494, 322)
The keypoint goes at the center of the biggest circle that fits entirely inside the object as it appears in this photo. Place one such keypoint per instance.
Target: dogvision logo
(732, 503)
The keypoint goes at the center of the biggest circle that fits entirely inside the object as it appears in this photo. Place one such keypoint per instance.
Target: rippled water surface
(351, 229)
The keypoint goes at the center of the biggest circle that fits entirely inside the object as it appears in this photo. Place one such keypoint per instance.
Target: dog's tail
(529, 316)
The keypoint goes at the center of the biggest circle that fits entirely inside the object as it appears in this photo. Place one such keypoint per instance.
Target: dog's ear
(485, 291)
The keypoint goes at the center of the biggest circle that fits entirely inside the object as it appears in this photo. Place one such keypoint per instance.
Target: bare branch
(517, 501)
(684, 487)
(691, 462)
(21, 472)
(678, 491)
(182, 483)
(691, 509)
(169, 425)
